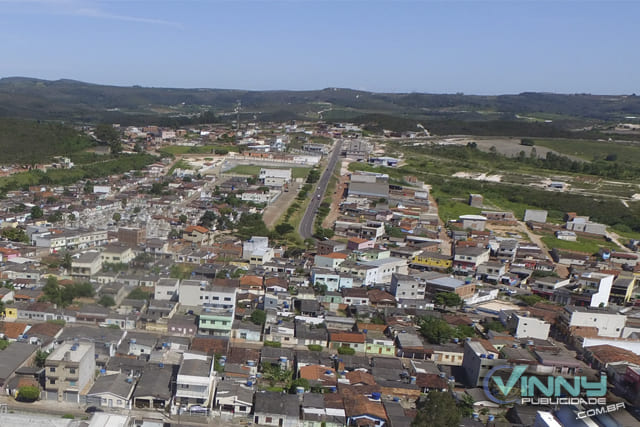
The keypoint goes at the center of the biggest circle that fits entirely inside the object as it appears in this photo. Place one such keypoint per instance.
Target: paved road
(306, 225)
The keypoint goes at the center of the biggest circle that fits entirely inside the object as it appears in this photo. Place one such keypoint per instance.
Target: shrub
(28, 393)
(346, 350)
(314, 347)
(272, 344)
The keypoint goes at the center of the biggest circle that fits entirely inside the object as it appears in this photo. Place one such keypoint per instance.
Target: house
(154, 389)
(359, 244)
(491, 272)
(308, 335)
(216, 322)
(523, 325)
(233, 399)
(283, 332)
(330, 261)
(117, 254)
(182, 325)
(319, 376)
(112, 391)
(325, 247)
(17, 355)
(362, 410)
(535, 215)
(275, 409)
(244, 331)
(332, 280)
(404, 286)
(256, 244)
(354, 340)
(381, 299)
(195, 382)
(86, 265)
(467, 259)
(427, 260)
(194, 293)
(479, 358)
(197, 235)
(167, 289)
(137, 344)
(473, 222)
(315, 412)
(355, 296)
(607, 322)
(69, 370)
(449, 284)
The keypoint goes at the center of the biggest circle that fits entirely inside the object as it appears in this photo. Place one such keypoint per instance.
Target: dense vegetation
(83, 102)
(28, 142)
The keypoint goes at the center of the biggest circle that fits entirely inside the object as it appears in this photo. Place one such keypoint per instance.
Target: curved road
(306, 225)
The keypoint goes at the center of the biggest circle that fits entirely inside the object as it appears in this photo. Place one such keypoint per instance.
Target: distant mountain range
(79, 102)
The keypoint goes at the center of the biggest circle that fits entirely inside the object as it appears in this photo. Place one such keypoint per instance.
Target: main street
(306, 225)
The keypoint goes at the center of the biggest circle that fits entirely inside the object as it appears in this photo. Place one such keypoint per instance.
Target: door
(110, 403)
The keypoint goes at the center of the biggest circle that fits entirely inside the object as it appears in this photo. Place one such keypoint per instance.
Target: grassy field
(592, 150)
(583, 244)
(298, 172)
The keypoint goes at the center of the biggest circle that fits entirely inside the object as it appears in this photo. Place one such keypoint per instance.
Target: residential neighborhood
(182, 293)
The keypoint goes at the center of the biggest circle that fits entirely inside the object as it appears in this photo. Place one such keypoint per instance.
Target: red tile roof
(359, 377)
(352, 337)
(197, 228)
(12, 330)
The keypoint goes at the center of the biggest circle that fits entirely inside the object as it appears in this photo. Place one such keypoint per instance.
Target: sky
(474, 47)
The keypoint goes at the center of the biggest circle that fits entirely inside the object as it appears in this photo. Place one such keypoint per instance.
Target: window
(52, 369)
(72, 370)
(52, 381)
(268, 420)
(227, 298)
(243, 409)
(72, 383)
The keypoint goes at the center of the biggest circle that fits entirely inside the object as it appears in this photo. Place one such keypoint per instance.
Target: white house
(195, 382)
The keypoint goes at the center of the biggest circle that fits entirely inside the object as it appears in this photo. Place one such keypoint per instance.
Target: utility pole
(238, 107)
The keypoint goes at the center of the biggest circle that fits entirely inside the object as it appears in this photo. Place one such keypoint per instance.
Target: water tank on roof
(160, 365)
(249, 383)
(251, 363)
(396, 399)
(299, 390)
(452, 379)
(412, 379)
(103, 371)
(442, 374)
(483, 356)
(456, 340)
(491, 418)
(491, 356)
(365, 331)
(328, 372)
(132, 340)
(376, 396)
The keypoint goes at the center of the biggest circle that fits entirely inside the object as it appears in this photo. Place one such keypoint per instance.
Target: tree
(28, 393)
(52, 291)
(183, 219)
(36, 212)
(41, 358)
(283, 228)
(299, 382)
(107, 134)
(435, 330)
(439, 409)
(258, 317)
(15, 234)
(448, 299)
(106, 301)
(55, 217)
(71, 217)
(116, 217)
(66, 261)
(494, 325)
